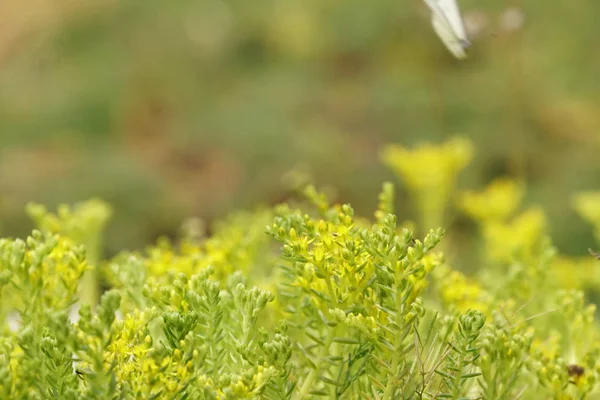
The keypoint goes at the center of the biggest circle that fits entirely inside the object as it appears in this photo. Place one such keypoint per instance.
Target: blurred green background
(194, 108)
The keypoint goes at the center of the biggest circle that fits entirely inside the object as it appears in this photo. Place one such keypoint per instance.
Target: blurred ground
(172, 109)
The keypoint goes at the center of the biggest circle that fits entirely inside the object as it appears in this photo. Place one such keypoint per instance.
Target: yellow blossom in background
(428, 165)
(587, 205)
(549, 348)
(163, 258)
(460, 293)
(520, 235)
(575, 273)
(497, 202)
(430, 171)
(49, 257)
(84, 224)
(237, 243)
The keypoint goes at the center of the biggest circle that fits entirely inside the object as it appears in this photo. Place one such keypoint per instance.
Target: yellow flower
(575, 273)
(504, 240)
(236, 245)
(240, 389)
(587, 205)
(461, 293)
(430, 172)
(429, 166)
(548, 349)
(497, 202)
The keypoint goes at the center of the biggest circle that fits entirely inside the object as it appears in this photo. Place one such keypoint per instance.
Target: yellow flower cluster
(516, 239)
(84, 224)
(430, 173)
(575, 273)
(49, 267)
(587, 204)
(237, 244)
(497, 202)
(460, 293)
(330, 249)
(507, 237)
(137, 363)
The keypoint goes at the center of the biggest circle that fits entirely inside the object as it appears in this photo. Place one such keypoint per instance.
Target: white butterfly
(449, 26)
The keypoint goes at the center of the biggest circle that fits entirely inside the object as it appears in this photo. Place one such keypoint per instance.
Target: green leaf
(329, 381)
(346, 340)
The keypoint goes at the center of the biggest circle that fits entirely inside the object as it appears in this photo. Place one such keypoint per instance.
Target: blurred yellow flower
(587, 205)
(429, 165)
(575, 273)
(497, 202)
(461, 293)
(505, 240)
(430, 171)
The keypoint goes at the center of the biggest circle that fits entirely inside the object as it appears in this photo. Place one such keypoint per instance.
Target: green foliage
(301, 302)
(84, 224)
(357, 310)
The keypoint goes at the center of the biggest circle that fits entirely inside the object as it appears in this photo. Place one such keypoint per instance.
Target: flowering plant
(320, 303)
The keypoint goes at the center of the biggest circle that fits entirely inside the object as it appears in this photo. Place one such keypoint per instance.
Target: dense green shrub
(322, 304)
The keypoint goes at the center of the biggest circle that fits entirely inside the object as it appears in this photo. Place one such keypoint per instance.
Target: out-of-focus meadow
(195, 108)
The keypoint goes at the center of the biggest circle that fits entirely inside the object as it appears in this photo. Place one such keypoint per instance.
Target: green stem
(458, 377)
(310, 379)
(90, 282)
(390, 387)
(90, 293)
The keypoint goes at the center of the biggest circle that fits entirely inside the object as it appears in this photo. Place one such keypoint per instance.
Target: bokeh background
(171, 109)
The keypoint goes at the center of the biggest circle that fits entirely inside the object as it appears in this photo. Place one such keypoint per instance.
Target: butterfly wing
(453, 44)
(449, 26)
